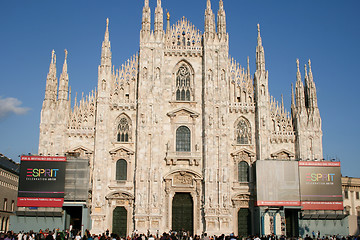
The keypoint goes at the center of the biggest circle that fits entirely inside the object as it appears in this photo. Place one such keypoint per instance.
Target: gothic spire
(106, 37)
(64, 81)
(221, 27)
(298, 74)
(248, 66)
(260, 53)
(51, 81)
(159, 20)
(312, 98)
(209, 21)
(310, 72)
(306, 75)
(146, 19)
(299, 88)
(292, 97)
(106, 47)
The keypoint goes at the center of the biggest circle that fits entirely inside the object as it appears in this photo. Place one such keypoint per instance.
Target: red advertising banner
(40, 202)
(278, 203)
(322, 205)
(41, 181)
(319, 164)
(43, 158)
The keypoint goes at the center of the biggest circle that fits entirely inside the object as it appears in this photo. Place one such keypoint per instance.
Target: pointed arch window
(243, 171)
(183, 139)
(243, 132)
(183, 84)
(123, 130)
(121, 170)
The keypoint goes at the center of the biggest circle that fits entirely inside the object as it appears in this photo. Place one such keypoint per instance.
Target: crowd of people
(76, 235)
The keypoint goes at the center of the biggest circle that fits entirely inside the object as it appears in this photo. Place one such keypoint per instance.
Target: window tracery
(123, 130)
(243, 132)
(183, 84)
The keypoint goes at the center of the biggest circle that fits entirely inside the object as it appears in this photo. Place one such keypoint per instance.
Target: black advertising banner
(41, 182)
(320, 185)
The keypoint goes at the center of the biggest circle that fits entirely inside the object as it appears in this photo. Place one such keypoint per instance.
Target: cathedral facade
(172, 135)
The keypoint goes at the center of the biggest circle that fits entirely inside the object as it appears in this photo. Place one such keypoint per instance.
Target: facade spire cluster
(56, 105)
(213, 31)
(306, 116)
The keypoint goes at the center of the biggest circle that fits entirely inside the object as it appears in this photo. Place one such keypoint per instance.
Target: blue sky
(326, 31)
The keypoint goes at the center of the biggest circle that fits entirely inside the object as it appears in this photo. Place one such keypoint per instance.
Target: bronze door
(244, 222)
(183, 213)
(120, 221)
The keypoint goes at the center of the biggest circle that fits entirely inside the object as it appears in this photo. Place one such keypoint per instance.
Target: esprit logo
(320, 177)
(41, 172)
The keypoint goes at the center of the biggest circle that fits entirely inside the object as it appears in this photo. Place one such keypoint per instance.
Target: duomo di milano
(173, 134)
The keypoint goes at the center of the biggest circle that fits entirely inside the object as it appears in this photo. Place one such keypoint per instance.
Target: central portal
(183, 213)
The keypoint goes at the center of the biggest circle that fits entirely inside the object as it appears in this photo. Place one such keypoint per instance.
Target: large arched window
(243, 172)
(123, 130)
(183, 139)
(183, 84)
(243, 132)
(121, 170)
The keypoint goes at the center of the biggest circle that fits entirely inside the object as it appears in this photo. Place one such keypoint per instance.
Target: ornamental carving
(241, 201)
(119, 196)
(183, 178)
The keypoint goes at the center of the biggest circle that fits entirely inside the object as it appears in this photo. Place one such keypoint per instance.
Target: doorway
(120, 222)
(73, 218)
(292, 222)
(244, 222)
(183, 213)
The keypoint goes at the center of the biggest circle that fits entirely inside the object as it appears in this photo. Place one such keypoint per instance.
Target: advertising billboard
(320, 185)
(41, 181)
(277, 183)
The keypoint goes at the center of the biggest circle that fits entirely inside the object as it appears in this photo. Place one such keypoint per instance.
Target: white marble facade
(182, 116)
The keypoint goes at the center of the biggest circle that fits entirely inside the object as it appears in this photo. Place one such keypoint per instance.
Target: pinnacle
(298, 65)
(259, 36)
(208, 4)
(52, 56)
